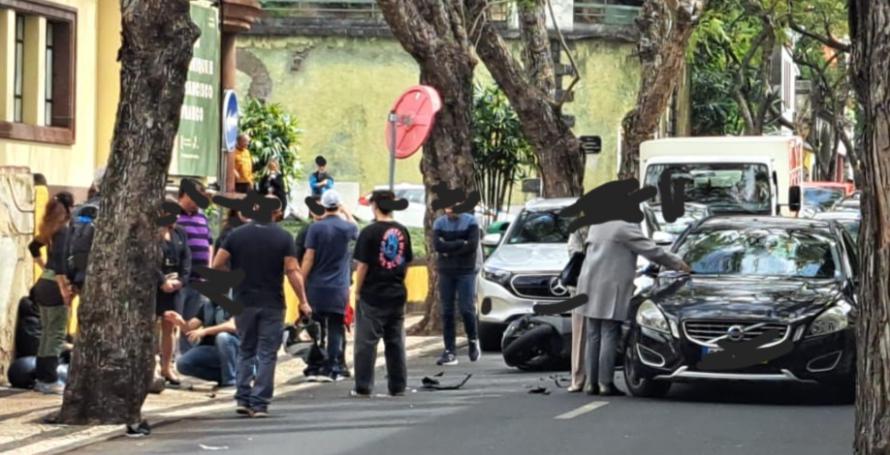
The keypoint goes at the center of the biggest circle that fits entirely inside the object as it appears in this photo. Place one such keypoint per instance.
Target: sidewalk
(21, 411)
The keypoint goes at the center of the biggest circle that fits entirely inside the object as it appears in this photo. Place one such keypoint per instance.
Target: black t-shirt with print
(386, 248)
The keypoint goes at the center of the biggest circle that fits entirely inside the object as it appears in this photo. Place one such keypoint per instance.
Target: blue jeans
(212, 363)
(260, 331)
(459, 289)
(190, 302)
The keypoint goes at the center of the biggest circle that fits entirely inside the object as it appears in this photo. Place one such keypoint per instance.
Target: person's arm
(196, 334)
(34, 247)
(185, 262)
(471, 243)
(409, 250)
(308, 262)
(634, 240)
(176, 319)
(348, 216)
(295, 278)
(329, 182)
(313, 181)
(361, 271)
(221, 260)
(440, 244)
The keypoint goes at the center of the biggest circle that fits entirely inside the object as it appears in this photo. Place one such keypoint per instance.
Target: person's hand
(305, 310)
(196, 335)
(168, 287)
(177, 285)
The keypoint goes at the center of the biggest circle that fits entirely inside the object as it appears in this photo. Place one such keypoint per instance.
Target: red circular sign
(415, 114)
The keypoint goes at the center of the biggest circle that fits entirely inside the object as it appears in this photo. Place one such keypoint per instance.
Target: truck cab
(730, 175)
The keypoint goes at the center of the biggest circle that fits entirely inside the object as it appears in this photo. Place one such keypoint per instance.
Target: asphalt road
(494, 414)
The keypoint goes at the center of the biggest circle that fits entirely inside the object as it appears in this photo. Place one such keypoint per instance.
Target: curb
(101, 433)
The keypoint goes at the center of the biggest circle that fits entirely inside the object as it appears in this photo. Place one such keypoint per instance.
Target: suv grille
(704, 332)
(536, 287)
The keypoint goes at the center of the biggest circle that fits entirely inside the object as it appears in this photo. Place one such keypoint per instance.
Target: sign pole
(393, 118)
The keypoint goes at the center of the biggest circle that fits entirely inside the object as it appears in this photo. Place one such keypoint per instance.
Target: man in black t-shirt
(265, 252)
(383, 252)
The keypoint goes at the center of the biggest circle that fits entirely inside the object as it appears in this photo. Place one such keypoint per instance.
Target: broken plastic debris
(539, 390)
(434, 384)
(206, 447)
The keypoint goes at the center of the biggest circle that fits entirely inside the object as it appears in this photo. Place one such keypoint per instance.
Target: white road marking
(582, 410)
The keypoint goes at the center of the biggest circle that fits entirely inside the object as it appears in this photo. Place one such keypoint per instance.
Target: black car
(768, 299)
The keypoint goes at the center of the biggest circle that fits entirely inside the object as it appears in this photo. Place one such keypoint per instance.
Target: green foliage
(501, 154)
(273, 134)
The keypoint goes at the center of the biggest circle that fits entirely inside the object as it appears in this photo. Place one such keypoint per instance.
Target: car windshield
(852, 226)
(724, 187)
(822, 198)
(543, 226)
(759, 252)
(691, 214)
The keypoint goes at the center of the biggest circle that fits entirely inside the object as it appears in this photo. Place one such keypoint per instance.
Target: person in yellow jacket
(243, 165)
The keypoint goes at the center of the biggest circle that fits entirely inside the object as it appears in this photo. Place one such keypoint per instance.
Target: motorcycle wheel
(529, 346)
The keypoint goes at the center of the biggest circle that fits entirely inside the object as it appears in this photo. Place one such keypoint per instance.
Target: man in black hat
(320, 181)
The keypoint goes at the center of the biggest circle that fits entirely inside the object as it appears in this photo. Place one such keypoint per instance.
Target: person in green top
(52, 293)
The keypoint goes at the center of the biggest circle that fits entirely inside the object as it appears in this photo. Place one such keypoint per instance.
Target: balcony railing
(589, 12)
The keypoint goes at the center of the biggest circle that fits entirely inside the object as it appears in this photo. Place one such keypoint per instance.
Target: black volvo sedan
(768, 299)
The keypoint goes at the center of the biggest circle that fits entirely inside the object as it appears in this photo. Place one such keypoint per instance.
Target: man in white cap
(326, 270)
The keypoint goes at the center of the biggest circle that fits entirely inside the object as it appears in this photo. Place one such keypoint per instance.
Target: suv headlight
(499, 276)
(831, 320)
(649, 316)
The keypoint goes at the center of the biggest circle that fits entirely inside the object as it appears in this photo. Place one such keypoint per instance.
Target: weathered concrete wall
(340, 89)
(16, 272)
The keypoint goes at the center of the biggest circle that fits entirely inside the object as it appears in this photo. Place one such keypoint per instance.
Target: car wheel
(638, 385)
(490, 336)
(530, 350)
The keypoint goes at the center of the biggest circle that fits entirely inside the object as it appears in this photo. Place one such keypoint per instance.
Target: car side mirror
(662, 238)
(491, 240)
(794, 198)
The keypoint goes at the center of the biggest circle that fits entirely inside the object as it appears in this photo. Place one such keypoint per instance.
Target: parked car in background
(822, 196)
(849, 219)
(850, 203)
(410, 217)
(790, 283)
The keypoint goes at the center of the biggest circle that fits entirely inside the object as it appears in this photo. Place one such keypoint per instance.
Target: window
(43, 103)
(48, 79)
(19, 66)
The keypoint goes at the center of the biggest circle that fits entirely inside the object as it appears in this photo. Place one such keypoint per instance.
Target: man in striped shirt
(200, 241)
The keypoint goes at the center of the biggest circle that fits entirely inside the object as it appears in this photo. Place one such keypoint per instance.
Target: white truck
(729, 174)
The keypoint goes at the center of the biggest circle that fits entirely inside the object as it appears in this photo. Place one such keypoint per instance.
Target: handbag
(569, 274)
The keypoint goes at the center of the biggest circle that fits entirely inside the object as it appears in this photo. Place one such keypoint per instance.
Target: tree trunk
(113, 360)
(434, 33)
(531, 94)
(664, 32)
(870, 28)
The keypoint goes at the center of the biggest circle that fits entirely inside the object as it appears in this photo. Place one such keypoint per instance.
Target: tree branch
(827, 40)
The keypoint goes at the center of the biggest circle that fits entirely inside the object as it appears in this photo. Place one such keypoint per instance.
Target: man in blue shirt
(326, 270)
(320, 181)
(457, 244)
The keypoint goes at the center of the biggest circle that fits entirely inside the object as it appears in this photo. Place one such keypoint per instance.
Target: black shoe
(475, 352)
(345, 372)
(591, 390)
(447, 358)
(611, 391)
(138, 430)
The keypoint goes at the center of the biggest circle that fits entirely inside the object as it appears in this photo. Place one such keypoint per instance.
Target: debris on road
(434, 384)
(206, 447)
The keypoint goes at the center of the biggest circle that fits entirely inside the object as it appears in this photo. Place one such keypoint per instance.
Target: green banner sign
(196, 150)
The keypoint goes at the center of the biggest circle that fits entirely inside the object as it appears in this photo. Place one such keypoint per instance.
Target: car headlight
(499, 276)
(831, 320)
(649, 316)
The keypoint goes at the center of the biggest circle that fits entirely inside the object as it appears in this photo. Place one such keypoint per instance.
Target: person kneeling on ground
(215, 356)
(383, 252)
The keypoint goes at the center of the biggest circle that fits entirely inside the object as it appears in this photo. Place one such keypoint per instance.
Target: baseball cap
(330, 199)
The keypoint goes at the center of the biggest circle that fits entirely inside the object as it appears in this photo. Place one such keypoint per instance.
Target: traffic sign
(591, 144)
(414, 114)
(230, 120)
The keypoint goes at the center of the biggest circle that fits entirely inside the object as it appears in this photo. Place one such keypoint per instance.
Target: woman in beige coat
(577, 245)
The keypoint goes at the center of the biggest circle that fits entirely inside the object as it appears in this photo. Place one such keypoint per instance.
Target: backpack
(79, 242)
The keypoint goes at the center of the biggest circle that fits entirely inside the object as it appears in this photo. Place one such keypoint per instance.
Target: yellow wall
(68, 165)
(107, 76)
